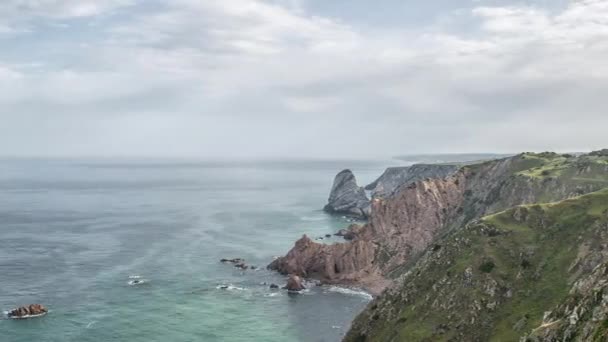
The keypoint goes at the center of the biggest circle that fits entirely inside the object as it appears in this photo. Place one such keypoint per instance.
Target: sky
(301, 78)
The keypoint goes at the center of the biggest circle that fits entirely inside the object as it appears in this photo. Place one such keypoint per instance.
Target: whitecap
(134, 277)
(350, 292)
(312, 218)
(229, 287)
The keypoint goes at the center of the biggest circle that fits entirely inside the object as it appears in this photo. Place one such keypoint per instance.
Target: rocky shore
(403, 225)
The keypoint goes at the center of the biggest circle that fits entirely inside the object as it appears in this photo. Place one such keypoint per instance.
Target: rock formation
(31, 310)
(347, 198)
(395, 177)
(404, 225)
(295, 284)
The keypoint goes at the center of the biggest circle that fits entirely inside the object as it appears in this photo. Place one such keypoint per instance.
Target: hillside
(495, 279)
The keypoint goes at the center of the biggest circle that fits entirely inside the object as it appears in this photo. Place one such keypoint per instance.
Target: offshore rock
(31, 310)
(347, 198)
(295, 284)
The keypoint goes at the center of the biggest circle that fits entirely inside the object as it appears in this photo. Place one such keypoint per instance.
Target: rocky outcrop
(349, 233)
(404, 225)
(295, 284)
(25, 311)
(582, 316)
(347, 198)
(395, 177)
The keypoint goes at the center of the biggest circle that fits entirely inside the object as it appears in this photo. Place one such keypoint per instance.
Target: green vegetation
(493, 280)
(546, 165)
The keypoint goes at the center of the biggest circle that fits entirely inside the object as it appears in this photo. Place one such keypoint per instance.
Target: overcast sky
(301, 78)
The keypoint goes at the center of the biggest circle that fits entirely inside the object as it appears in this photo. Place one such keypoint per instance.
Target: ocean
(73, 233)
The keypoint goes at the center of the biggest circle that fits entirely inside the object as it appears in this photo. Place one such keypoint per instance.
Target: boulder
(348, 198)
(347, 234)
(274, 286)
(295, 283)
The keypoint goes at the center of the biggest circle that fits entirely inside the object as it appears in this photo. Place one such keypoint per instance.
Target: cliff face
(347, 198)
(395, 177)
(405, 224)
(498, 278)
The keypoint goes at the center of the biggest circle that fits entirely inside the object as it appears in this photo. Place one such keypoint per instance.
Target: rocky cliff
(582, 316)
(523, 274)
(395, 177)
(404, 225)
(347, 197)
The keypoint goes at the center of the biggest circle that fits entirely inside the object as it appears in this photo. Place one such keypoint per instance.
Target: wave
(312, 218)
(229, 287)
(350, 292)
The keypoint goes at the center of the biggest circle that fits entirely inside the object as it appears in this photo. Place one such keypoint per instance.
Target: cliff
(395, 177)
(404, 225)
(535, 272)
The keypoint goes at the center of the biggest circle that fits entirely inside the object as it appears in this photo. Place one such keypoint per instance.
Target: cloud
(58, 8)
(259, 71)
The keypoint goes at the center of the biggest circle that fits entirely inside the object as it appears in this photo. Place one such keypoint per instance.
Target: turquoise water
(73, 231)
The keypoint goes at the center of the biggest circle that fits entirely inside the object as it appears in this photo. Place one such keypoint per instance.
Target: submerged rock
(233, 261)
(347, 198)
(295, 283)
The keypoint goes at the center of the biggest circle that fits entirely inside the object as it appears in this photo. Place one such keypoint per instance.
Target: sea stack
(347, 197)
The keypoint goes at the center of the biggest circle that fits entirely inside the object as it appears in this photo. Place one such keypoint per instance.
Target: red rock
(295, 283)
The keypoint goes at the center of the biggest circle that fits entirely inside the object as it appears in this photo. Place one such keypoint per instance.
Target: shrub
(487, 266)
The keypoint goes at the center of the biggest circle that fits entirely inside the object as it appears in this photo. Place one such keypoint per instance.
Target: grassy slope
(517, 269)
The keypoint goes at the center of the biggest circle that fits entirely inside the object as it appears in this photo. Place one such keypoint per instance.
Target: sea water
(74, 234)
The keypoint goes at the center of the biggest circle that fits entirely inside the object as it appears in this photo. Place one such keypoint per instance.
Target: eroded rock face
(395, 177)
(402, 226)
(347, 198)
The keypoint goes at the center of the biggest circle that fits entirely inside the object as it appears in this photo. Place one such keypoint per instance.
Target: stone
(241, 265)
(33, 309)
(233, 261)
(295, 284)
